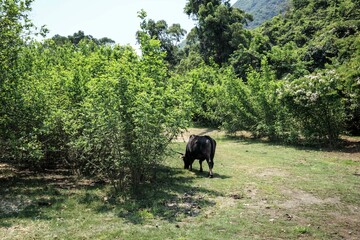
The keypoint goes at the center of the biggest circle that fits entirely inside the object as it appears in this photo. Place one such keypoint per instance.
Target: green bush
(250, 105)
(13, 23)
(128, 118)
(311, 109)
(203, 80)
(316, 106)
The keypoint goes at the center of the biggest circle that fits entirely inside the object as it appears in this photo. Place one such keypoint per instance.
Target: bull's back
(201, 147)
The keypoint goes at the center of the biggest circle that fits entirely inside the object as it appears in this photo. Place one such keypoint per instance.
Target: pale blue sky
(116, 19)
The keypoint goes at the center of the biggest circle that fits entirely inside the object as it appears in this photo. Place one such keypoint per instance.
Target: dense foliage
(169, 36)
(77, 37)
(220, 29)
(101, 109)
(13, 22)
(297, 75)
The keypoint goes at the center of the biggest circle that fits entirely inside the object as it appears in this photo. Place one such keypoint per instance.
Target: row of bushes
(313, 109)
(100, 110)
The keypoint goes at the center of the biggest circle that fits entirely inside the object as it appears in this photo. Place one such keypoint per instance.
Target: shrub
(128, 117)
(250, 105)
(316, 106)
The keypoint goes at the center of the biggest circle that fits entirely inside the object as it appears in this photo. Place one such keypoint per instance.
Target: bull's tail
(213, 148)
(212, 154)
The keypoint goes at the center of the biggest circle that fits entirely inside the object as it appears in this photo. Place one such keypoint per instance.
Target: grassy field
(259, 191)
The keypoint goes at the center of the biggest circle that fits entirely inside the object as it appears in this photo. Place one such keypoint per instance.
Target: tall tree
(220, 29)
(169, 36)
(192, 7)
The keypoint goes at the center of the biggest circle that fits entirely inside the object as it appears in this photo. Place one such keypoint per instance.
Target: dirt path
(214, 133)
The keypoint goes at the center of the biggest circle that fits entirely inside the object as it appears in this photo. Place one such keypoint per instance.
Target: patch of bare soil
(272, 172)
(300, 198)
(343, 222)
(184, 136)
(226, 202)
(258, 200)
(350, 223)
(188, 202)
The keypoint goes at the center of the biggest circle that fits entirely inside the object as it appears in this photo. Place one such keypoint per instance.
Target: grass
(259, 191)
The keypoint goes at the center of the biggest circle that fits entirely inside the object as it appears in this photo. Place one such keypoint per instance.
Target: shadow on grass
(345, 144)
(205, 174)
(173, 197)
(27, 195)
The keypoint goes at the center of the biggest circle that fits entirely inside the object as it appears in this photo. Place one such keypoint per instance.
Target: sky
(115, 19)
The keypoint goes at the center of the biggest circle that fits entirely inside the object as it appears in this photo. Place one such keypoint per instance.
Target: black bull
(202, 148)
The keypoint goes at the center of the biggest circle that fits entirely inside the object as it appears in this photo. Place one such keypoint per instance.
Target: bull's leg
(211, 165)
(201, 169)
(190, 166)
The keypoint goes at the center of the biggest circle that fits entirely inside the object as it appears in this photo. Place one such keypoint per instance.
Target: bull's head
(186, 162)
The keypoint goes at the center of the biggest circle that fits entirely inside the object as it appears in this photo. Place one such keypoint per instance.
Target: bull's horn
(177, 152)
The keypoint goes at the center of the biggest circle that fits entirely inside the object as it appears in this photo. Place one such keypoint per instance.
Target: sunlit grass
(259, 191)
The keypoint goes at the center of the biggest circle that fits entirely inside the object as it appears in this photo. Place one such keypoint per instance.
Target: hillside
(261, 10)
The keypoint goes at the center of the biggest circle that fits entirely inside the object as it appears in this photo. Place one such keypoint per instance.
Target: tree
(169, 37)
(192, 7)
(77, 37)
(313, 101)
(13, 25)
(250, 105)
(129, 113)
(220, 28)
(245, 59)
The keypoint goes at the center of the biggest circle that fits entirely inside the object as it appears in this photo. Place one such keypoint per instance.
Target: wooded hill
(262, 10)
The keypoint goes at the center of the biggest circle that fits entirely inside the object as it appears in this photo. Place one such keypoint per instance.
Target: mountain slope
(261, 10)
